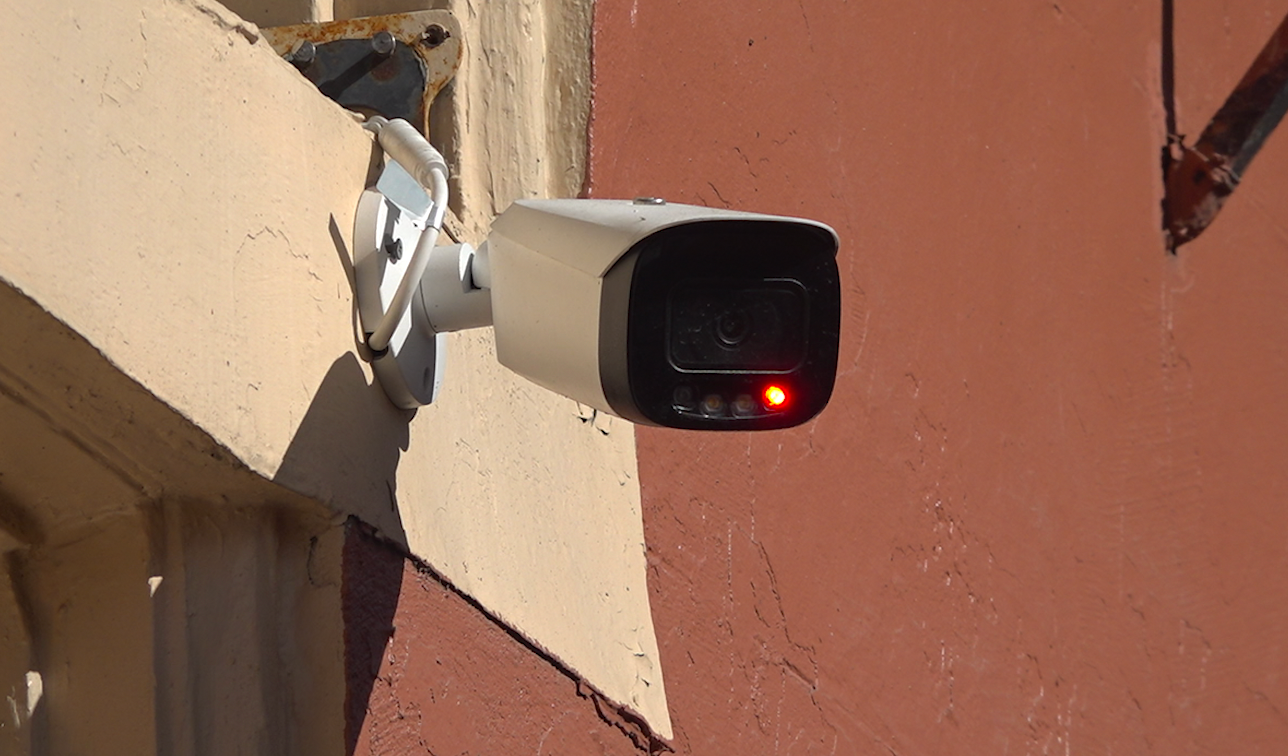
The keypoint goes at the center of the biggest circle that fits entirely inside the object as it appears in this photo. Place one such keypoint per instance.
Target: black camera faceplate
(737, 324)
(715, 310)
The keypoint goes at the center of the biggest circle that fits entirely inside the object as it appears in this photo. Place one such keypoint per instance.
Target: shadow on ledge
(346, 450)
(345, 454)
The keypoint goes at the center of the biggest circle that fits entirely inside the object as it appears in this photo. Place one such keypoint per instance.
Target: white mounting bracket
(385, 234)
(393, 220)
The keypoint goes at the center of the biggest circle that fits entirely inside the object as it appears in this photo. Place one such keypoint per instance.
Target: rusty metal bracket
(392, 65)
(1199, 179)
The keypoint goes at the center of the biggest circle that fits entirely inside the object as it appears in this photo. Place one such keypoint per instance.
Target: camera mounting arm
(408, 303)
(425, 164)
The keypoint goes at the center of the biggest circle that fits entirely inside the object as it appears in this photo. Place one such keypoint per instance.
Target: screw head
(304, 54)
(383, 43)
(435, 35)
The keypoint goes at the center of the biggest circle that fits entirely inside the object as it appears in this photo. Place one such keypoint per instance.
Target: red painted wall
(430, 673)
(1046, 511)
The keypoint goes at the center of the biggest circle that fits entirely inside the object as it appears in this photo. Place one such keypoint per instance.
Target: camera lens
(684, 398)
(713, 404)
(732, 327)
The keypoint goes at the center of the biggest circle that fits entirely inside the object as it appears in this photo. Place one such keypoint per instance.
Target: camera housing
(671, 315)
(666, 314)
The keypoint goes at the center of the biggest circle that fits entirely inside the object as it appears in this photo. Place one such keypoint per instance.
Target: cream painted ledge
(183, 199)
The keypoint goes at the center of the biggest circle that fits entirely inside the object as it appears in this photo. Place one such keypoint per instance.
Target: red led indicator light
(775, 397)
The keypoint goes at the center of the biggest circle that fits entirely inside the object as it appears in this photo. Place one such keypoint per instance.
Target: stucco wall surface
(183, 199)
(1045, 510)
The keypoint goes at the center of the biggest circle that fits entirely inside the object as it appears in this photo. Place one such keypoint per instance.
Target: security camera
(662, 314)
(668, 314)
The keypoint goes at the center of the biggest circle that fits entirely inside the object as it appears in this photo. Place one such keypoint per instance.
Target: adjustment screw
(393, 249)
(383, 43)
(435, 35)
(305, 53)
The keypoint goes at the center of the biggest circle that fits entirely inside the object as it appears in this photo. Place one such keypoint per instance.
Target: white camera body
(567, 282)
(548, 259)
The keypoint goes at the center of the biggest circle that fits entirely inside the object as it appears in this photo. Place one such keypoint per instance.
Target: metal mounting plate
(340, 58)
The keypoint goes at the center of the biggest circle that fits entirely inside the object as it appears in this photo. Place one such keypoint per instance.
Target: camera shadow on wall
(345, 453)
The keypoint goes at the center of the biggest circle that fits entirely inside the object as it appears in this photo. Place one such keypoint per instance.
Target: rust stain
(1201, 177)
(435, 37)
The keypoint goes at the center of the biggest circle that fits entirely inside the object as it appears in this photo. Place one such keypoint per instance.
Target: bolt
(393, 249)
(383, 43)
(305, 53)
(435, 35)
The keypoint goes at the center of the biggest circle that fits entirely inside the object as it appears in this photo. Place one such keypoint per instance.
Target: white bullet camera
(666, 314)
(662, 314)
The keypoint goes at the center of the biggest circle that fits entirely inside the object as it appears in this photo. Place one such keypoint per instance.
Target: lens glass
(684, 398)
(721, 326)
(713, 404)
(732, 327)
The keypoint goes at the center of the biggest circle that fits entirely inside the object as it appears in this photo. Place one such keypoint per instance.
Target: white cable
(425, 164)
